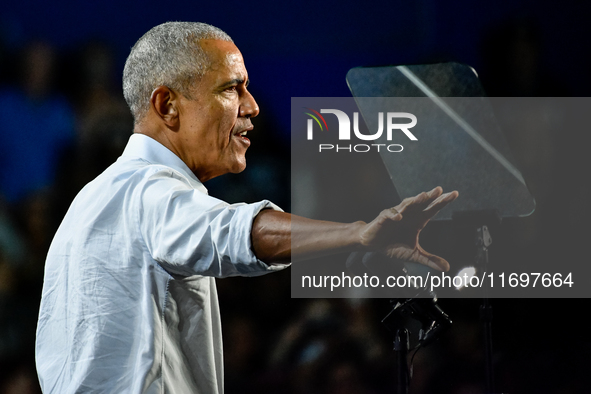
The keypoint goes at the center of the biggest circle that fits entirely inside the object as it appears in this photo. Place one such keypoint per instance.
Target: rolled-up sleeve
(191, 233)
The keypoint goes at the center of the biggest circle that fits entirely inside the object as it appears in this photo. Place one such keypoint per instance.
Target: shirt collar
(152, 151)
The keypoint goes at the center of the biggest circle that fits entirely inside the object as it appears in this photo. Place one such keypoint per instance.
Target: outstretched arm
(280, 237)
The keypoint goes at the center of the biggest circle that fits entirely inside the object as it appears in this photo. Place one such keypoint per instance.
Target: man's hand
(396, 230)
(278, 237)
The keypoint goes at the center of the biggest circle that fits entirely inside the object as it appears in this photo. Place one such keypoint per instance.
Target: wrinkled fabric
(129, 302)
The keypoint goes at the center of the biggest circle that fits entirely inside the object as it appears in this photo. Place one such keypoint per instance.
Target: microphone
(411, 301)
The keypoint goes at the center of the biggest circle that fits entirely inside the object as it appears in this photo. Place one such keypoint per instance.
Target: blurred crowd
(64, 121)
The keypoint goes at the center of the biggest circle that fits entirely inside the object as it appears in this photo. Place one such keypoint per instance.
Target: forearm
(279, 237)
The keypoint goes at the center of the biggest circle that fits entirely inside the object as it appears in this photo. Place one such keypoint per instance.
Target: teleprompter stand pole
(401, 345)
(483, 241)
(480, 221)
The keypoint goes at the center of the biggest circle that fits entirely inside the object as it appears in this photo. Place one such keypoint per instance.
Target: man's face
(214, 124)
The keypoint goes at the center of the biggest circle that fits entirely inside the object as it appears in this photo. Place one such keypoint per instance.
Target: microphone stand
(433, 322)
(418, 304)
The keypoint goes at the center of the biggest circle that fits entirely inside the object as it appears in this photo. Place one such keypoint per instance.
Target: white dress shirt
(129, 301)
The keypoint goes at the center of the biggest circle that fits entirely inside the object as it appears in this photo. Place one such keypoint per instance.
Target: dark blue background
(305, 48)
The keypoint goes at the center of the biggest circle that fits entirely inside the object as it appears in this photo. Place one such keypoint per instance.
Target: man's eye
(231, 89)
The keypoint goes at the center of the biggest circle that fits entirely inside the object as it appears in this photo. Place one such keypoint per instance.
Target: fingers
(437, 204)
(436, 192)
(420, 201)
(426, 200)
(393, 214)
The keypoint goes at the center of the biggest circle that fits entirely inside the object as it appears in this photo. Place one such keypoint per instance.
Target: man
(129, 300)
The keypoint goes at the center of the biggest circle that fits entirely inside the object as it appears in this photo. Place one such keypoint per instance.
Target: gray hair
(167, 55)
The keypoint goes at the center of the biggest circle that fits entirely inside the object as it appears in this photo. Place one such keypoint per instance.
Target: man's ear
(164, 101)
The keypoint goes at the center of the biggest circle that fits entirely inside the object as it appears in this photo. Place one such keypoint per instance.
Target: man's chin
(238, 169)
(238, 165)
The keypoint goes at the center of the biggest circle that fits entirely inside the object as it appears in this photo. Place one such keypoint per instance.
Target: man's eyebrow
(235, 81)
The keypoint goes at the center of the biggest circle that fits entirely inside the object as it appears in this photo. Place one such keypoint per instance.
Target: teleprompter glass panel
(458, 144)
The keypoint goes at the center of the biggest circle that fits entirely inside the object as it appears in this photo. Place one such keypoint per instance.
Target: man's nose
(249, 107)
